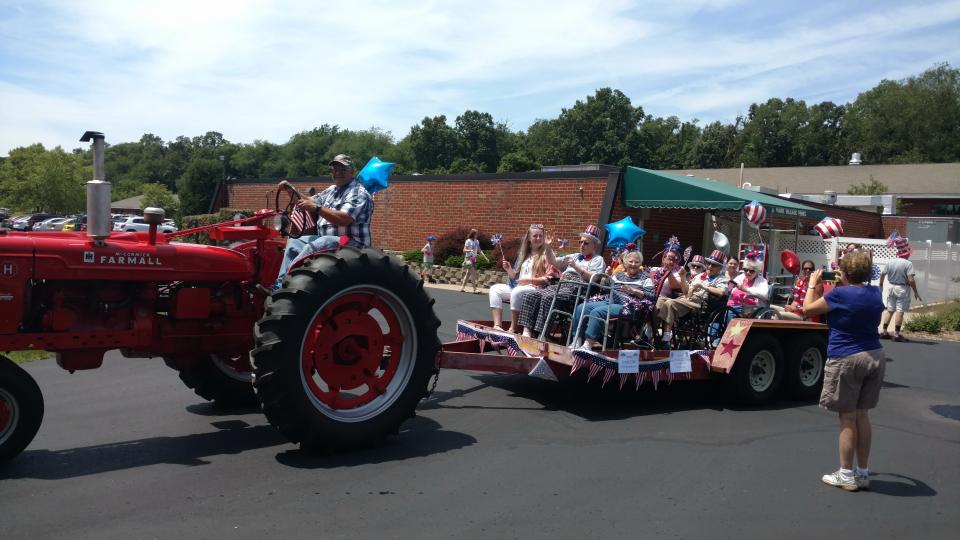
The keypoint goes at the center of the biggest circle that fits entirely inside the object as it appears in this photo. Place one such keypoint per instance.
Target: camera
(828, 275)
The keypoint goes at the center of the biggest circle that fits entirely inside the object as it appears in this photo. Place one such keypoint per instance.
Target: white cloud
(259, 69)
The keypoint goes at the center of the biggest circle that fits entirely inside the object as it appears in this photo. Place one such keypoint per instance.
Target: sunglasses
(749, 271)
(536, 226)
(805, 269)
(695, 266)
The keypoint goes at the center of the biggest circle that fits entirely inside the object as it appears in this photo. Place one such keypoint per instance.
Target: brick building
(564, 201)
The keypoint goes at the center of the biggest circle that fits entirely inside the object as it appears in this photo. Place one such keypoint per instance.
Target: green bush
(455, 261)
(951, 319)
(929, 323)
(413, 256)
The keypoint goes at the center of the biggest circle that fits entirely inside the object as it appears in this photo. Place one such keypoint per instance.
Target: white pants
(501, 292)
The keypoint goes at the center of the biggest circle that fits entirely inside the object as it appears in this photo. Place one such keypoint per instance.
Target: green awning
(643, 188)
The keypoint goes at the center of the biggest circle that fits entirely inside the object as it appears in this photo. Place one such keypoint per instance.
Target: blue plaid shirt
(353, 199)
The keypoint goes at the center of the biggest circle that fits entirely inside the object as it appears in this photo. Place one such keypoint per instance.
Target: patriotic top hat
(592, 232)
(829, 227)
(903, 248)
(716, 257)
(697, 260)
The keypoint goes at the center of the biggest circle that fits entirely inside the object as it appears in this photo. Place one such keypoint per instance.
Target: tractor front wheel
(345, 350)
(21, 409)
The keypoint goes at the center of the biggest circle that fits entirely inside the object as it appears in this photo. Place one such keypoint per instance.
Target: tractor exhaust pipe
(99, 224)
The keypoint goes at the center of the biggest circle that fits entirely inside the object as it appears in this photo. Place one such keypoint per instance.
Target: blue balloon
(375, 174)
(621, 233)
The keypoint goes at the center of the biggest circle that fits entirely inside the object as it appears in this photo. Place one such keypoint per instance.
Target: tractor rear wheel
(805, 363)
(225, 381)
(21, 409)
(758, 371)
(345, 350)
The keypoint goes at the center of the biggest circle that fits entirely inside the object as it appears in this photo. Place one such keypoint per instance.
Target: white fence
(937, 264)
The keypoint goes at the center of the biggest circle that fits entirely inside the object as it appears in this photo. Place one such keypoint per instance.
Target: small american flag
(302, 219)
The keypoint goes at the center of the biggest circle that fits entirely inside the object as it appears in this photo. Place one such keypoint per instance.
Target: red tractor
(342, 353)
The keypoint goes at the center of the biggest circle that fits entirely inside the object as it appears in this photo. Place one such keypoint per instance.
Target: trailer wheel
(345, 350)
(758, 371)
(21, 409)
(227, 381)
(805, 363)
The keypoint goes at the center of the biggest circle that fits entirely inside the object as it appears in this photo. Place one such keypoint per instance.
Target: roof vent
(855, 159)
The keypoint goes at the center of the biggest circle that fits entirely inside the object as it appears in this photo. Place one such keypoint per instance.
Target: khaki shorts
(853, 382)
(898, 298)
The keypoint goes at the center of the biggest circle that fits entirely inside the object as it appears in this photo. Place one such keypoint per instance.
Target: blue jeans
(594, 309)
(298, 248)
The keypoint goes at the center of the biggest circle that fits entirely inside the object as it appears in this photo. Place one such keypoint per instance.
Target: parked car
(28, 223)
(77, 223)
(137, 224)
(69, 225)
(52, 224)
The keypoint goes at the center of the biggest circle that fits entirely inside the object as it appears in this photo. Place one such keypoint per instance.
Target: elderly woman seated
(696, 292)
(632, 292)
(749, 289)
(576, 270)
(794, 310)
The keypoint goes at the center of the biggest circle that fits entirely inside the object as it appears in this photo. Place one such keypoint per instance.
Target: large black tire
(758, 371)
(21, 409)
(806, 360)
(345, 350)
(218, 380)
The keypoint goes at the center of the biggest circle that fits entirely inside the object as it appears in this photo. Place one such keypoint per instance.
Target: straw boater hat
(903, 248)
(716, 257)
(592, 233)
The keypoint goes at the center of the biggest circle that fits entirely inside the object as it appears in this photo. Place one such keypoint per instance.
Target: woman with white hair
(749, 288)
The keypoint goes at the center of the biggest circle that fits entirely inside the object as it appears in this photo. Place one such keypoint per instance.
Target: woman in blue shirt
(855, 362)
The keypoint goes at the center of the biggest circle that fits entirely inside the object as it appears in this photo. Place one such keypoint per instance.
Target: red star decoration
(727, 348)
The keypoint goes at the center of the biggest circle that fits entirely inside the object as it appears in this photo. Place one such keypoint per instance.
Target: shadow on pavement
(231, 437)
(593, 403)
(418, 437)
(903, 486)
(208, 408)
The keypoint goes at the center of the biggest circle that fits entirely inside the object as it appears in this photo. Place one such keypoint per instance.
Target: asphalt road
(127, 452)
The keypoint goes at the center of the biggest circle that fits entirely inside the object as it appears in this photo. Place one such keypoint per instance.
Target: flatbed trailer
(758, 359)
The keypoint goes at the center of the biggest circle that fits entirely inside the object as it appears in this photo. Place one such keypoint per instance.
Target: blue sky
(268, 69)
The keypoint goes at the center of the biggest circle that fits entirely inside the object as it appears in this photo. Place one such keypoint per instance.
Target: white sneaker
(840, 480)
(577, 343)
(862, 480)
(526, 333)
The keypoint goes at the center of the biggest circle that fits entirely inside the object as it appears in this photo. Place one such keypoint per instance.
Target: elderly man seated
(695, 292)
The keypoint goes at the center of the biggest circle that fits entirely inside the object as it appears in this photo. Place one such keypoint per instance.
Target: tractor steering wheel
(294, 197)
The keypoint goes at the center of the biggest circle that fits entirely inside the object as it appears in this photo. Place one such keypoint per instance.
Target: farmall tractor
(343, 352)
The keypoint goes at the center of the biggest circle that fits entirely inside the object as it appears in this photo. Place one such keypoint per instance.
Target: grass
(21, 357)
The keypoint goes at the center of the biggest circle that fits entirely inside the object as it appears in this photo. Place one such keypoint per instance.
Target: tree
(478, 139)
(542, 142)
(33, 178)
(517, 162)
(602, 129)
(197, 184)
(158, 196)
(873, 187)
(666, 143)
(434, 143)
(308, 153)
(908, 121)
(715, 147)
(261, 159)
